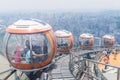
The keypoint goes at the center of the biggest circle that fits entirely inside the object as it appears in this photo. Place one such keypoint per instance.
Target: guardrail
(98, 71)
(80, 61)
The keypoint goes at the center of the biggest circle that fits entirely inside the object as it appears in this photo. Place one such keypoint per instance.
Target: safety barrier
(84, 63)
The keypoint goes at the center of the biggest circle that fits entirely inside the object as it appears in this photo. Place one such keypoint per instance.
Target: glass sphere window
(63, 43)
(22, 43)
(85, 42)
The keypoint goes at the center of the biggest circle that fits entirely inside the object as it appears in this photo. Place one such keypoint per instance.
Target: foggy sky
(13, 5)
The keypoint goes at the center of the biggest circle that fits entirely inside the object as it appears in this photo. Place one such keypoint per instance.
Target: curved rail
(89, 68)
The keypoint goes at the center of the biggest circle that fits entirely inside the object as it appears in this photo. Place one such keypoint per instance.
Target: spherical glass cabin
(29, 45)
(108, 40)
(86, 41)
(64, 40)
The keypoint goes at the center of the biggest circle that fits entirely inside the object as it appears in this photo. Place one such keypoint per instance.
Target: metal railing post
(118, 74)
(88, 69)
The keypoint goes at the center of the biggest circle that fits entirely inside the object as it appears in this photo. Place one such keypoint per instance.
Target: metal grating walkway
(61, 72)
